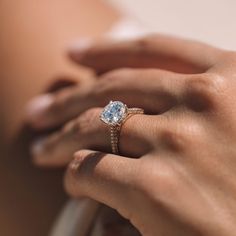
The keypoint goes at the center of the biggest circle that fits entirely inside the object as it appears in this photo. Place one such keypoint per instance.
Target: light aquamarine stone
(113, 113)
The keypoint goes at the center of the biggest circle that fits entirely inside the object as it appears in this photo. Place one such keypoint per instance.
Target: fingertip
(37, 151)
(37, 147)
(78, 49)
(35, 110)
(80, 168)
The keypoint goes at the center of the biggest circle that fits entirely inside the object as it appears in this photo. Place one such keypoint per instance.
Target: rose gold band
(115, 129)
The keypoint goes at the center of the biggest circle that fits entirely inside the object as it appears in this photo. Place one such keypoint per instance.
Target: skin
(176, 175)
(33, 38)
(51, 25)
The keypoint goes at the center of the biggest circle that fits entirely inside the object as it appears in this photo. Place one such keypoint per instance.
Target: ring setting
(114, 115)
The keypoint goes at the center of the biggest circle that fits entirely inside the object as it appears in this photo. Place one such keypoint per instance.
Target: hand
(147, 86)
(183, 181)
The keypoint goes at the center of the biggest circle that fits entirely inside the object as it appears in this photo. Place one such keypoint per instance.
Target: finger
(88, 131)
(154, 90)
(160, 51)
(61, 83)
(60, 88)
(36, 105)
(100, 176)
(52, 109)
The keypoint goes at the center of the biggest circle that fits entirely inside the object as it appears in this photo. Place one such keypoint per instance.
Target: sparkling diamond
(114, 113)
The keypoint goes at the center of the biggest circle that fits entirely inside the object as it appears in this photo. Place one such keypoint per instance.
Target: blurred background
(211, 21)
(34, 37)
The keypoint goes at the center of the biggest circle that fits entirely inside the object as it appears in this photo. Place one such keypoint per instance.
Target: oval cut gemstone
(113, 113)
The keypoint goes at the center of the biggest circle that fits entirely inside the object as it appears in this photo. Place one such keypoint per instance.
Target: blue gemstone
(114, 112)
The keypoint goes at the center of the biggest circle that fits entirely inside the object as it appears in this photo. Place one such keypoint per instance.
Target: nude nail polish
(38, 106)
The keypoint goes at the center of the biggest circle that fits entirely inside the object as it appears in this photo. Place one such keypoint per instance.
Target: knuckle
(143, 44)
(87, 121)
(62, 99)
(117, 74)
(111, 81)
(70, 128)
(173, 140)
(165, 179)
(91, 114)
(201, 84)
(167, 182)
(185, 135)
(229, 56)
(203, 91)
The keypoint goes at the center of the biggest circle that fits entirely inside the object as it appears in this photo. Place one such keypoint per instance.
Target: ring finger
(88, 132)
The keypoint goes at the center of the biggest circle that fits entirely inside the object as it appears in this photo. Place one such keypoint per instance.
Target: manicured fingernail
(38, 106)
(80, 47)
(38, 147)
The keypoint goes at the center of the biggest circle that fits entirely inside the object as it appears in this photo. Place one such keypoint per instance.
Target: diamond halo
(114, 113)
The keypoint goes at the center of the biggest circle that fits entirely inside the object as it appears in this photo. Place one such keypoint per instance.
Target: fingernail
(74, 165)
(38, 106)
(80, 47)
(38, 147)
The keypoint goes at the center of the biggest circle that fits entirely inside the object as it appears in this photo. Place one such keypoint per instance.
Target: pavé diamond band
(114, 115)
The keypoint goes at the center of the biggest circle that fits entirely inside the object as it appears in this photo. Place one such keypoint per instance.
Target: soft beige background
(211, 21)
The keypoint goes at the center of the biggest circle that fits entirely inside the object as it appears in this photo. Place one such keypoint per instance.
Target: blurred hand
(183, 182)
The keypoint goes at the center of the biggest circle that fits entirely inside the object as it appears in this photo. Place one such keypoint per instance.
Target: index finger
(158, 51)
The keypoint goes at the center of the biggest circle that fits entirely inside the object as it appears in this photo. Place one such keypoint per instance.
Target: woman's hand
(183, 182)
(146, 85)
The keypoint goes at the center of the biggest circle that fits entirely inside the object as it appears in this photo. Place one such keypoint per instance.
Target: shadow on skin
(30, 197)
